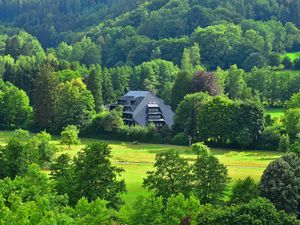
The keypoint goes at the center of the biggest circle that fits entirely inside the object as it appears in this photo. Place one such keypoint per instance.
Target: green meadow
(275, 112)
(292, 55)
(137, 159)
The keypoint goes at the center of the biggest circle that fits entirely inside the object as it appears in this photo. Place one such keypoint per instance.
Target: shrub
(180, 139)
(269, 139)
(284, 143)
(287, 62)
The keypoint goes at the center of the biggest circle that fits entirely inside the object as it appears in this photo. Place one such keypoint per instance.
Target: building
(143, 108)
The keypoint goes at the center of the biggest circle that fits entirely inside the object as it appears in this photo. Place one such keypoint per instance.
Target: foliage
(91, 175)
(206, 82)
(269, 138)
(210, 176)
(185, 119)
(32, 200)
(284, 143)
(218, 115)
(75, 105)
(243, 191)
(45, 97)
(47, 150)
(107, 121)
(292, 122)
(94, 85)
(257, 211)
(18, 154)
(181, 88)
(171, 177)
(15, 111)
(69, 136)
(23, 150)
(150, 210)
(280, 183)
(294, 101)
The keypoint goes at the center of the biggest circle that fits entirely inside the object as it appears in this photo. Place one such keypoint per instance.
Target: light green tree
(210, 176)
(69, 136)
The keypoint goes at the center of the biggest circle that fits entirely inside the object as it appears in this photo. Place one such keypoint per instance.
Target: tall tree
(107, 88)
(94, 84)
(211, 176)
(45, 97)
(172, 176)
(185, 119)
(206, 82)
(181, 88)
(15, 110)
(75, 105)
(96, 177)
(236, 87)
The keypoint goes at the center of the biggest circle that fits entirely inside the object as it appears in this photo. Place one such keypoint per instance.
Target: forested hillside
(230, 71)
(232, 31)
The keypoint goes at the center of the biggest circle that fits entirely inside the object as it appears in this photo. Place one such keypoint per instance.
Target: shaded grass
(275, 112)
(137, 159)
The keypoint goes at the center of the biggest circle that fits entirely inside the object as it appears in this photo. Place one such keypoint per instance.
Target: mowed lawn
(137, 159)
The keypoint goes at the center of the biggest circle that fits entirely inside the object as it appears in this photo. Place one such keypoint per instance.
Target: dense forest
(219, 65)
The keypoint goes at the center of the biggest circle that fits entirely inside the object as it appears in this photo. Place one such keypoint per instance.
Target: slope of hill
(51, 20)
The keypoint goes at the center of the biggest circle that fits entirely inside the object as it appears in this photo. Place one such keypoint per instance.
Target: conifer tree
(45, 96)
(94, 84)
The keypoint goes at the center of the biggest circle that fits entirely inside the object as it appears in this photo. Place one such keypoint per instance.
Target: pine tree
(107, 87)
(45, 97)
(94, 84)
(186, 64)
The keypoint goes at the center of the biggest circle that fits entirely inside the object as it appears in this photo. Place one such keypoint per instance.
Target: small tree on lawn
(171, 177)
(210, 176)
(69, 136)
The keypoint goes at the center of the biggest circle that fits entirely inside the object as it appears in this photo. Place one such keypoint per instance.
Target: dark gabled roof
(144, 99)
(137, 94)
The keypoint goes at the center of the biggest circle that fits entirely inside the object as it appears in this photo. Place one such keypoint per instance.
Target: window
(151, 110)
(127, 109)
(160, 124)
(122, 102)
(155, 117)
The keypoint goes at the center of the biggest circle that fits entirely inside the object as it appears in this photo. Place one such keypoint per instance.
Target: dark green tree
(45, 97)
(287, 62)
(181, 88)
(95, 177)
(257, 211)
(185, 119)
(108, 93)
(243, 191)
(280, 183)
(94, 85)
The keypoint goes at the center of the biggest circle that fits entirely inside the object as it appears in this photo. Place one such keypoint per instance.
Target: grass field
(137, 159)
(292, 55)
(275, 112)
